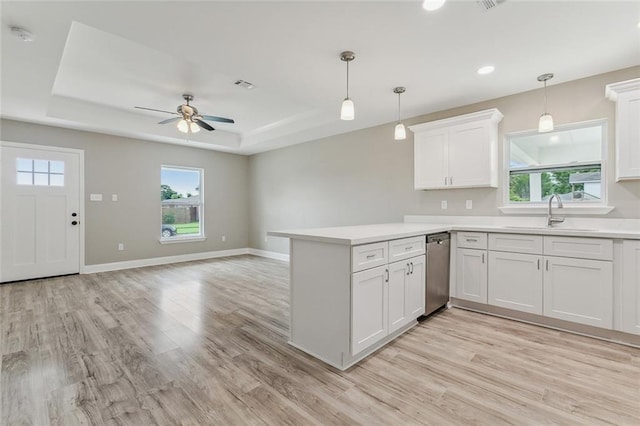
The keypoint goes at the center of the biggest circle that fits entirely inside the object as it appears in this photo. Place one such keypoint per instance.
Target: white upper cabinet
(626, 95)
(457, 152)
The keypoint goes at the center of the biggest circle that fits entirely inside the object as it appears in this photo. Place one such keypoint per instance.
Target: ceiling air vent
(244, 84)
(489, 4)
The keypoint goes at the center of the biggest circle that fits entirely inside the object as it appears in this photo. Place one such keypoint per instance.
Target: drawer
(406, 248)
(516, 243)
(583, 248)
(474, 240)
(369, 256)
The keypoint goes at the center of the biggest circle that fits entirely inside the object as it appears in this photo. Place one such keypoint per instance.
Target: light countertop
(364, 234)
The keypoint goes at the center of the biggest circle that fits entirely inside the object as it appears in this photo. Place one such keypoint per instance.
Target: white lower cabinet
(471, 273)
(515, 281)
(579, 290)
(386, 299)
(369, 307)
(631, 286)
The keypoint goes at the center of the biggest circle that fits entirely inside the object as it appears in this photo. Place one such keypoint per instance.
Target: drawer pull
(371, 256)
(538, 264)
(408, 248)
(472, 240)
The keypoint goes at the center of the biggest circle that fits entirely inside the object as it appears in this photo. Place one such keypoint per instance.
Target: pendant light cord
(348, 79)
(545, 96)
(398, 107)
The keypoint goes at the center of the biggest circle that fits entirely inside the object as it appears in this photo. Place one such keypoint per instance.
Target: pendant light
(546, 120)
(347, 112)
(431, 5)
(400, 132)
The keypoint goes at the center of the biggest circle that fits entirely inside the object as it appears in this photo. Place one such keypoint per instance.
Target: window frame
(201, 208)
(572, 207)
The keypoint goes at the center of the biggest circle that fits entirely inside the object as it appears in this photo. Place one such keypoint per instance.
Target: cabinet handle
(538, 264)
(371, 256)
(450, 180)
(472, 240)
(411, 267)
(482, 257)
(386, 271)
(408, 248)
(408, 269)
(445, 180)
(547, 264)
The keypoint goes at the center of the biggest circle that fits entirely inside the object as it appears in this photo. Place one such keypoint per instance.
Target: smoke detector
(489, 4)
(22, 34)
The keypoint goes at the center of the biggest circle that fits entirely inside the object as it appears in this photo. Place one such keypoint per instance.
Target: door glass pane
(56, 166)
(41, 166)
(41, 179)
(25, 178)
(24, 165)
(56, 180)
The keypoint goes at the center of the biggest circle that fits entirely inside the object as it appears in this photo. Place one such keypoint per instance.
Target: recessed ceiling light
(432, 5)
(487, 69)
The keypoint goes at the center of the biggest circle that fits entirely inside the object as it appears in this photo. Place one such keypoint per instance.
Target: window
(568, 161)
(39, 172)
(182, 202)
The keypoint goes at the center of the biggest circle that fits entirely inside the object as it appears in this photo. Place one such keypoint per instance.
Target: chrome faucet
(550, 219)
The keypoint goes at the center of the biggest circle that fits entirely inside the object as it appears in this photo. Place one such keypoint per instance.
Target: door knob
(75, 222)
(74, 214)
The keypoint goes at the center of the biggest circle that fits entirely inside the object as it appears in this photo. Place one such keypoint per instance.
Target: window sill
(174, 240)
(570, 210)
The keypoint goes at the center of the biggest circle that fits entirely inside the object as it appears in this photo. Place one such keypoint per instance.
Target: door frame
(80, 153)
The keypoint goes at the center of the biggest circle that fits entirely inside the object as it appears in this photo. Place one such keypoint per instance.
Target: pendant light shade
(194, 127)
(347, 111)
(400, 132)
(545, 124)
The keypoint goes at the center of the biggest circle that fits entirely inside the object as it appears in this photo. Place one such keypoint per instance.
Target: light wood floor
(204, 343)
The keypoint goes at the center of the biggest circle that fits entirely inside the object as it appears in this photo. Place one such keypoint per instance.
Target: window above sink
(569, 161)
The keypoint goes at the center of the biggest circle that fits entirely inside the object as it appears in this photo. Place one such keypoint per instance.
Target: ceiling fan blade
(203, 125)
(170, 120)
(219, 119)
(157, 110)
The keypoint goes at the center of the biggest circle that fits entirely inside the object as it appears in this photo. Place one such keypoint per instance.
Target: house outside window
(568, 161)
(182, 203)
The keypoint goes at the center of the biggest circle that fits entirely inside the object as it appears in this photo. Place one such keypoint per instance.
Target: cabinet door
(631, 286)
(628, 136)
(515, 281)
(398, 312)
(430, 159)
(471, 275)
(470, 161)
(368, 307)
(579, 290)
(416, 286)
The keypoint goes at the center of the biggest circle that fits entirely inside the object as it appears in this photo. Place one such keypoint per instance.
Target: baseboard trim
(269, 254)
(154, 261)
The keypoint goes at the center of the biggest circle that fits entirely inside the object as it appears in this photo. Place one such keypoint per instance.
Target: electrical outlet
(224, 238)
(469, 204)
(443, 204)
(114, 197)
(120, 246)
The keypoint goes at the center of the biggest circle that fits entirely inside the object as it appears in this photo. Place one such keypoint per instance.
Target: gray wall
(366, 177)
(131, 169)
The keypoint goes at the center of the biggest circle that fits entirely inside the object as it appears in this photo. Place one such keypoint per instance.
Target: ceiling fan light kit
(347, 111)
(545, 124)
(189, 118)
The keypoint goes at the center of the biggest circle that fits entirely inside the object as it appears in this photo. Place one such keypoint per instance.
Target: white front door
(39, 212)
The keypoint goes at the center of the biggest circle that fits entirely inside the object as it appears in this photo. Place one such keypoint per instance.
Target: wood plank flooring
(204, 343)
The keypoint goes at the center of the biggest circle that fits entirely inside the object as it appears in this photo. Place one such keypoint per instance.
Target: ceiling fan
(188, 118)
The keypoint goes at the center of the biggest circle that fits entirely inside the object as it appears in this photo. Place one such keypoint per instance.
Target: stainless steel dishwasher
(437, 276)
